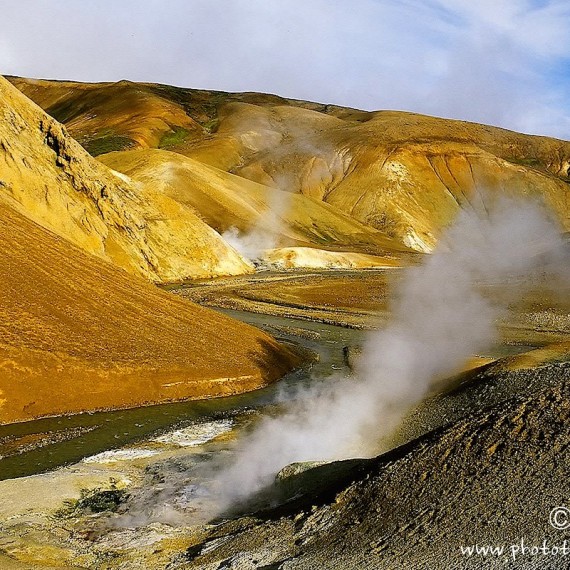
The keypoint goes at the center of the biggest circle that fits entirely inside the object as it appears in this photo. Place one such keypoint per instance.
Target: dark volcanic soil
(490, 479)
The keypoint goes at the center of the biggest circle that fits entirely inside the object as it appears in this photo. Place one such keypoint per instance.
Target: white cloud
(488, 61)
(7, 59)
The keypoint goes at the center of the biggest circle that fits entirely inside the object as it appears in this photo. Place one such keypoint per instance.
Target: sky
(501, 62)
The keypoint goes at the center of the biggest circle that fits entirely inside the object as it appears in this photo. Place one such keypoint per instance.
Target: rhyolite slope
(52, 180)
(402, 173)
(79, 334)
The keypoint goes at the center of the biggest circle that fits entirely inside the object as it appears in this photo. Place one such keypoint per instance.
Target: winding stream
(48, 443)
(74, 437)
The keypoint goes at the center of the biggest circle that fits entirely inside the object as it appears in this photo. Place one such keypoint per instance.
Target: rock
(351, 354)
(296, 468)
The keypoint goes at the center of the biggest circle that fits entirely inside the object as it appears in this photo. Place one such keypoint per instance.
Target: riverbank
(360, 299)
(47, 519)
(53, 519)
(124, 449)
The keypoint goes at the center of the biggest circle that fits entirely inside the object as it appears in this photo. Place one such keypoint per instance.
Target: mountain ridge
(402, 173)
(69, 192)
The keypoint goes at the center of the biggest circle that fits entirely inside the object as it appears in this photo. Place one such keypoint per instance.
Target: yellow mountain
(108, 116)
(401, 173)
(404, 174)
(226, 201)
(80, 333)
(77, 333)
(52, 180)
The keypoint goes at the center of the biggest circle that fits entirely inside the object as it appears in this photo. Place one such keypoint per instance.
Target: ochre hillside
(404, 174)
(106, 117)
(224, 201)
(78, 334)
(228, 201)
(52, 180)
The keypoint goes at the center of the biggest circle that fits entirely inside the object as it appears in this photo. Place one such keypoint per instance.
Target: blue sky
(503, 62)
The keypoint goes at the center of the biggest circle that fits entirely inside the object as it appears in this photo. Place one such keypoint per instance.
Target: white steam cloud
(440, 318)
(250, 245)
(265, 234)
(287, 142)
(442, 314)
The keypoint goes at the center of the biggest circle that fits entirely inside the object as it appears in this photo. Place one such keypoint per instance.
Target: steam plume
(265, 234)
(250, 245)
(440, 317)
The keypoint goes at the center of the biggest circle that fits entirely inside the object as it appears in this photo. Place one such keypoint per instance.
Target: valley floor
(453, 467)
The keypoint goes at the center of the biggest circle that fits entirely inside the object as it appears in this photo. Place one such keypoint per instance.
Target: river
(71, 438)
(44, 444)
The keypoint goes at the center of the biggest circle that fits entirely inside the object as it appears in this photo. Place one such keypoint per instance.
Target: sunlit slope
(402, 173)
(405, 174)
(51, 179)
(77, 333)
(224, 201)
(106, 117)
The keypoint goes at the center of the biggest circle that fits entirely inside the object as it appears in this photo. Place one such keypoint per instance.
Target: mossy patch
(211, 126)
(66, 110)
(216, 100)
(96, 500)
(530, 162)
(107, 143)
(173, 137)
(202, 106)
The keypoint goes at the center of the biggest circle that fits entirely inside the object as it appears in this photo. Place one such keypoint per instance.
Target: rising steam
(440, 317)
(251, 245)
(264, 235)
